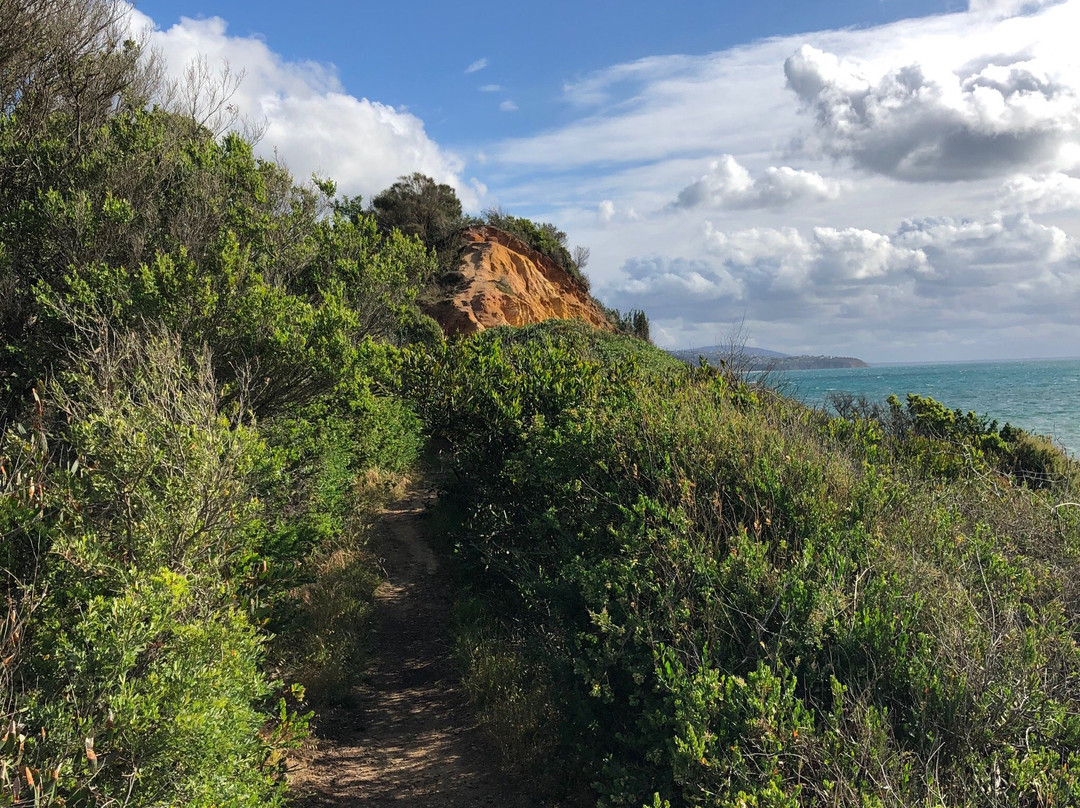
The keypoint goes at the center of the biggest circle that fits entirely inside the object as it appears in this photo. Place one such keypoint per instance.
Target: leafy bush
(198, 374)
(139, 674)
(1036, 461)
(691, 591)
(416, 205)
(929, 435)
(159, 223)
(635, 322)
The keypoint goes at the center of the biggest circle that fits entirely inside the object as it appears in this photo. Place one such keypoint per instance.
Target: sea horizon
(1070, 358)
(1039, 395)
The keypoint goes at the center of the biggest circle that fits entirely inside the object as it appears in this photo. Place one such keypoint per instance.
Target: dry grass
(325, 648)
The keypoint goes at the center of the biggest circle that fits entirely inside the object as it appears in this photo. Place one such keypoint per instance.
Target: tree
(418, 206)
(74, 58)
(581, 256)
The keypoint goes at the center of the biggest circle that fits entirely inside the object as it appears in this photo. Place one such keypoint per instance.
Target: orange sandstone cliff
(503, 281)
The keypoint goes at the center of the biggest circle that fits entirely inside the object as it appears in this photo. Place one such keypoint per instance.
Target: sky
(897, 180)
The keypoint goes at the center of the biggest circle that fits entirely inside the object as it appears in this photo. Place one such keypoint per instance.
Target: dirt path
(411, 739)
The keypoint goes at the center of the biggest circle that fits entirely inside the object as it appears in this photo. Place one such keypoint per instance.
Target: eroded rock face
(505, 282)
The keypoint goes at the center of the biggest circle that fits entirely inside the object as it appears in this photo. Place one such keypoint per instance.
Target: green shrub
(1035, 460)
(950, 443)
(139, 674)
(153, 220)
(197, 377)
(634, 322)
(686, 590)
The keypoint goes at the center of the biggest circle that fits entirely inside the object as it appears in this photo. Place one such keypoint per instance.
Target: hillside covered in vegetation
(673, 586)
(750, 359)
(677, 584)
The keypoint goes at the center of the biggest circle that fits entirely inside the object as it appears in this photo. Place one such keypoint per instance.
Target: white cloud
(491, 88)
(312, 122)
(607, 214)
(944, 276)
(477, 66)
(927, 122)
(1010, 84)
(1044, 194)
(728, 184)
(478, 187)
(600, 87)
(828, 257)
(802, 211)
(508, 106)
(663, 107)
(1002, 9)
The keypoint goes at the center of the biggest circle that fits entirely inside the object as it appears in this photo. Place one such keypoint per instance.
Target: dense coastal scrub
(197, 421)
(675, 586)
(678, 587)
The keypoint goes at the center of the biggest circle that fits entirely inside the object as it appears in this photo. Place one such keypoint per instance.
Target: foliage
(635, 322)
(682, 589)
(139, 676)
(925, 433)
(198, 372)
(418, 206)
(162, 223)
(70, 64)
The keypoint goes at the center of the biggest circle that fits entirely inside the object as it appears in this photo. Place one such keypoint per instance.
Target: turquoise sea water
(1038, 395)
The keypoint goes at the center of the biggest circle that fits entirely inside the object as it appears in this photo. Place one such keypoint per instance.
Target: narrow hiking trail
(411, 738)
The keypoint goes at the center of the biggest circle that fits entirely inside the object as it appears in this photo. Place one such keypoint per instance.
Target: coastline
(1038, 395)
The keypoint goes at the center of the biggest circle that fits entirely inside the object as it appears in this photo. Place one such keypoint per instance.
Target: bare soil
(410, 738)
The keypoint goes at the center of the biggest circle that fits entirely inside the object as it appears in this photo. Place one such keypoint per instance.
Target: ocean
(1039, 395)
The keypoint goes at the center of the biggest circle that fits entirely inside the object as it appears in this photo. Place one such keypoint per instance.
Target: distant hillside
(764, 359)
(810, 363)
(692, 354)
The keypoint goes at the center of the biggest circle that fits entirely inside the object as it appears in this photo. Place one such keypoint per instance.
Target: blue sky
(894, 180)
(414, 54)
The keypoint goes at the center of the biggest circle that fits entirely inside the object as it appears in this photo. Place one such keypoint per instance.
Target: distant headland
(764, 359)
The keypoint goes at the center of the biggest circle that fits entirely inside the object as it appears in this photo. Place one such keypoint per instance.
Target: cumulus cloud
(312, 122)
(929, 275)
(829, 257)
(607, 213)
(990, 65)
(508, 106)
(728, 184)
(477, 66)
(770, 273)
(1048, 193)
(924, 122)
